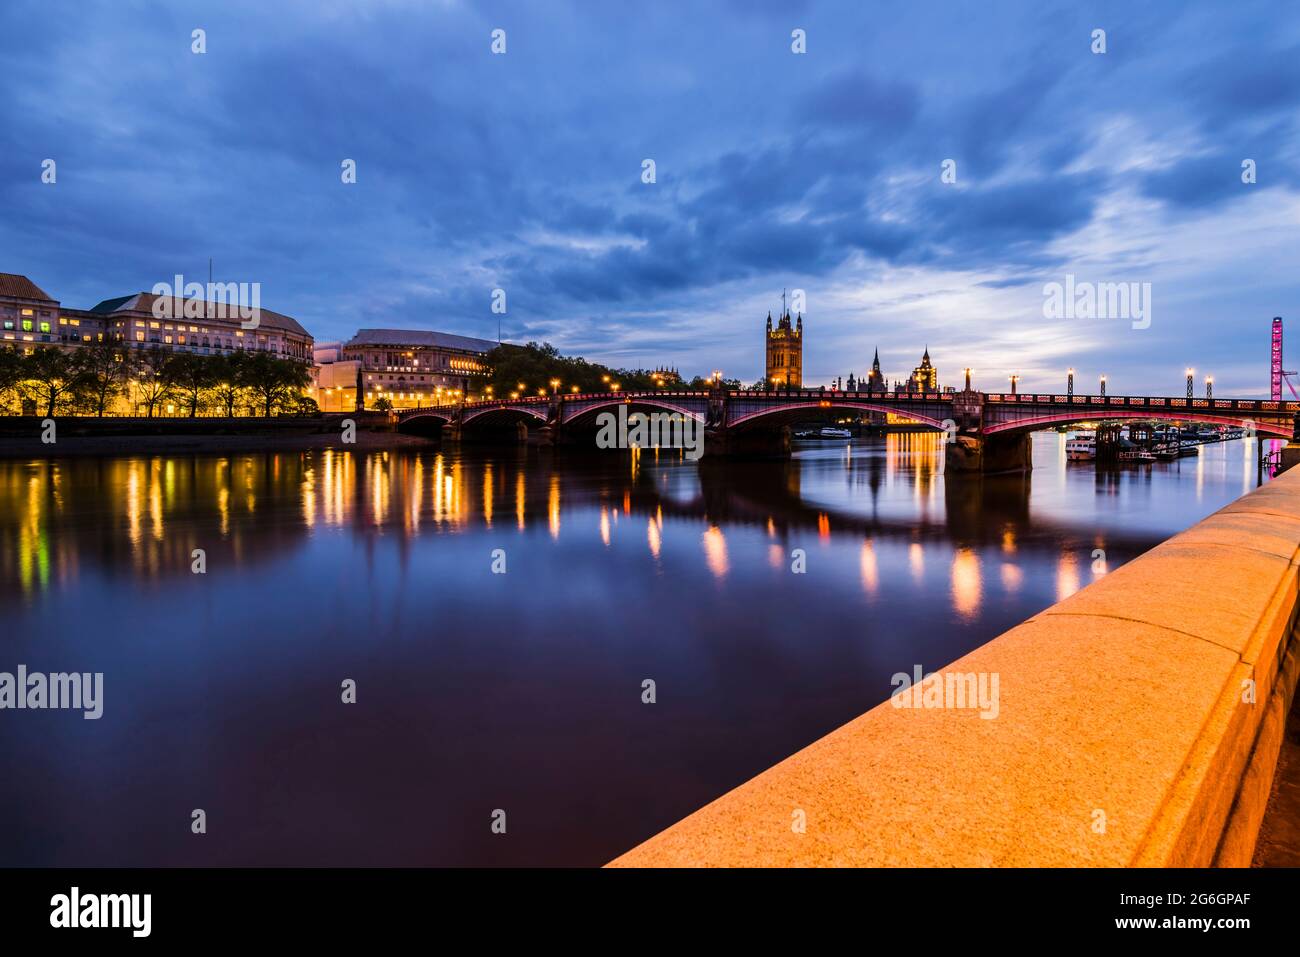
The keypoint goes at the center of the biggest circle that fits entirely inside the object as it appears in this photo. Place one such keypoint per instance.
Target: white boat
(1139, 456)
(1082, 446)
(830, 433)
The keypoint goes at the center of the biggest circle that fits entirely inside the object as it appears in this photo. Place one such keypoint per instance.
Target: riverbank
(28, 437)
(1137, 722)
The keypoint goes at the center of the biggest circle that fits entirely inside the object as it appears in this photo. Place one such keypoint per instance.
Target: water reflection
(524, 684)
(140, 516)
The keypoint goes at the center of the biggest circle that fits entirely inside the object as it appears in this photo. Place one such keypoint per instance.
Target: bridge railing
(1154, 402)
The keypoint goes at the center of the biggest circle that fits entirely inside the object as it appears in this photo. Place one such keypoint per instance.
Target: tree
(11, 365)
(304, 405)
(150, 374)
(191, 376)
(273, 381)
(51, 377)
(535, 366)
(228, 388)
(382, 404)
(103, 369)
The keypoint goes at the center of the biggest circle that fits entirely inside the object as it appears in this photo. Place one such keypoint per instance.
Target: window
(45, 326)
(139, 336)
(27, 325)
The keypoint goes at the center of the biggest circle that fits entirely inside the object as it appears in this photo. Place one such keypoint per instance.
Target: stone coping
(1125, 728)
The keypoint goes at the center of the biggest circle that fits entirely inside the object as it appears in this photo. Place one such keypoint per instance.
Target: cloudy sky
(818, 171)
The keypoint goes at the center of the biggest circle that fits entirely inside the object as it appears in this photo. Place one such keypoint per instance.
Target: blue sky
(817, 171)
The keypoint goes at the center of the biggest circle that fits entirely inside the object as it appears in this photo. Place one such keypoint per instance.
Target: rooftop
(20, 287)
(144, 302)
(419, 337)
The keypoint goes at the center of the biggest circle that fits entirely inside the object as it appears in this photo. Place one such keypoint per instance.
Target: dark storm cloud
(523, 171)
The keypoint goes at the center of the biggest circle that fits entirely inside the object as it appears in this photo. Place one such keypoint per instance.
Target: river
(500, 613)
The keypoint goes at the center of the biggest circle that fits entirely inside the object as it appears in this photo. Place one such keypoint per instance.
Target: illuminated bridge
(988, 432)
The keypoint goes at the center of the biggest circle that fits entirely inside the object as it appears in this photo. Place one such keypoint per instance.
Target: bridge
(988, 432)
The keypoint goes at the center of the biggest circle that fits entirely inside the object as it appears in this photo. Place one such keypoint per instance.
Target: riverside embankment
(1139, 724)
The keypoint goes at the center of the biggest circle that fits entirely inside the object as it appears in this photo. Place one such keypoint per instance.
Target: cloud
(775, 170)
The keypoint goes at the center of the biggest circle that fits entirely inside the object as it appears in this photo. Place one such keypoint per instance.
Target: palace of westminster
(785, 363)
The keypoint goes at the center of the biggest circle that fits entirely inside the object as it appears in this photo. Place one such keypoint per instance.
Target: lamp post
(1190, 372)
(1209, 387)
(967, 371)
(1103, 386)
(1069, 383)
(1014, 380)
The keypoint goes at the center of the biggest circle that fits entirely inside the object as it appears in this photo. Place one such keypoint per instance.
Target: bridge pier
(747, 443)
(988, 454)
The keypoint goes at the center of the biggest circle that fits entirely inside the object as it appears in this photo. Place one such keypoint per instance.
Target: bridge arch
(503, 415)
(777, 414)
(1036, 423)
(422, 421)
(586, 414)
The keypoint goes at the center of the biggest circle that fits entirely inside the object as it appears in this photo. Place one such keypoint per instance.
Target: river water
(500, 612)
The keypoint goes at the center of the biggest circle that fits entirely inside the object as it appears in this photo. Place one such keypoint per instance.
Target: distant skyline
(817, 171)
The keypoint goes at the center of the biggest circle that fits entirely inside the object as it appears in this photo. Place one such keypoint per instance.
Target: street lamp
(1069, 383)
(1209, 387)
(1103, 386)
(967, 370)
(615, 386)
(1190, 373)
(1014, 380)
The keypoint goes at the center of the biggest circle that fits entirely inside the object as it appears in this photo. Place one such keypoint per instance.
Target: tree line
(536, 366)
(91, 379)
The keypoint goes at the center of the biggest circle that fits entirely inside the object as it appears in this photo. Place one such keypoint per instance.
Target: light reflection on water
(518, 690)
